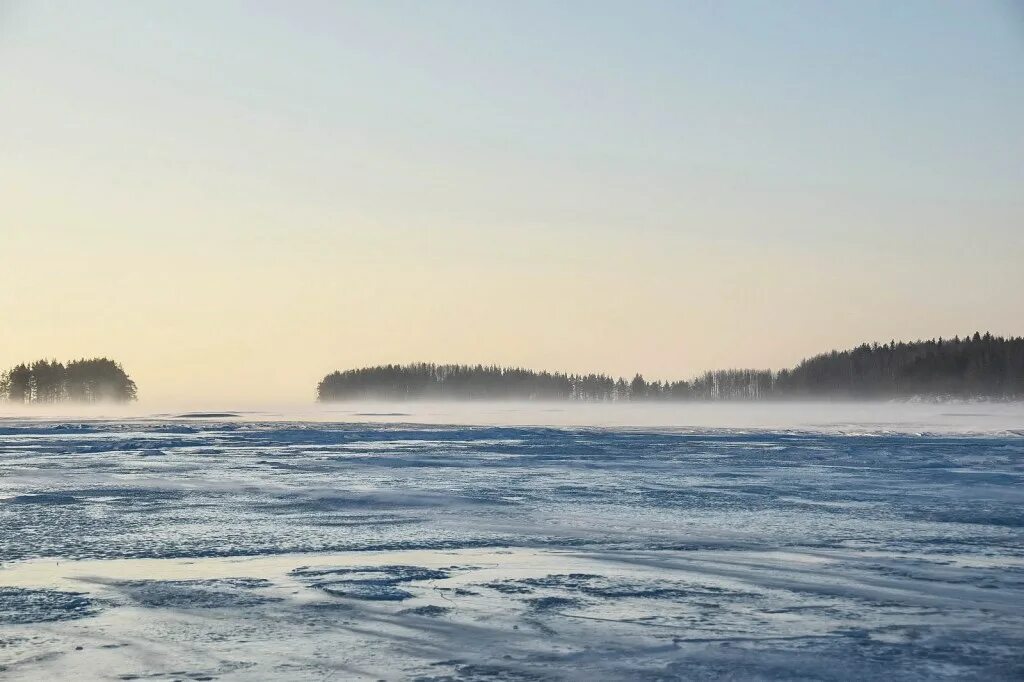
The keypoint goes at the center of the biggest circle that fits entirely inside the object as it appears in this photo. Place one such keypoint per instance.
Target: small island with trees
(979, 366)
(49, 381)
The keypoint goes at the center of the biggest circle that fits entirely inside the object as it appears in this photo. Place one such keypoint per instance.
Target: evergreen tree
(49, 381)
(975, 366)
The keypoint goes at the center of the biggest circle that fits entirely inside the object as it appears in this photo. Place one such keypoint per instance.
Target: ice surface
(399, 546)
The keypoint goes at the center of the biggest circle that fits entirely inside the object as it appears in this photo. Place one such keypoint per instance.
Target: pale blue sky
(752, 181)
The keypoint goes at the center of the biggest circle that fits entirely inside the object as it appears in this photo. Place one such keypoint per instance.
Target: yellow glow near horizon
(233, 216)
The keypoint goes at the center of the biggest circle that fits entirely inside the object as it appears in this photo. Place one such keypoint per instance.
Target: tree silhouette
(49, 381)
(977, 366)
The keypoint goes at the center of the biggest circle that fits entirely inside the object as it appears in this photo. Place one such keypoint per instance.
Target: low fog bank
(844, 417)
(829, 417)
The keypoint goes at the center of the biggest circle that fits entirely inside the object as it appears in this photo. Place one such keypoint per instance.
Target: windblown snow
(216, 547)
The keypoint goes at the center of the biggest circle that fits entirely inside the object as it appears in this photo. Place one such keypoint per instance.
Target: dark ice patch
(20, 606)
(196, 594)
(553, 603)
(462, 671)
(374, 583)
(366, 591)
(429, 610)
(44, 499)
(566, 580)
(508, 586)
(592, 585)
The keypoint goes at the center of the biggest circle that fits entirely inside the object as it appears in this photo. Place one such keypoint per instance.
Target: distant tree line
(49, 381)
(976, 366)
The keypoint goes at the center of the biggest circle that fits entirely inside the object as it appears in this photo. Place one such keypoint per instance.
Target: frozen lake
(560, 542)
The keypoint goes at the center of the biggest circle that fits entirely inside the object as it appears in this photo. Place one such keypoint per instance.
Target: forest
(977, 366)
(49, 381)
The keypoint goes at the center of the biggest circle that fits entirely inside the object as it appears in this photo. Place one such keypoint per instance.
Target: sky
(235, 198)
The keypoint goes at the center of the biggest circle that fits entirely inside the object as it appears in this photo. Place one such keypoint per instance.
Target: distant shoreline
(978, 367)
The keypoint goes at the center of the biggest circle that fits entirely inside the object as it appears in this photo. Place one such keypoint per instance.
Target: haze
(233, 199)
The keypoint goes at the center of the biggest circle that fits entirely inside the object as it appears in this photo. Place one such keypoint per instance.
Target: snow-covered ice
(385, 543)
